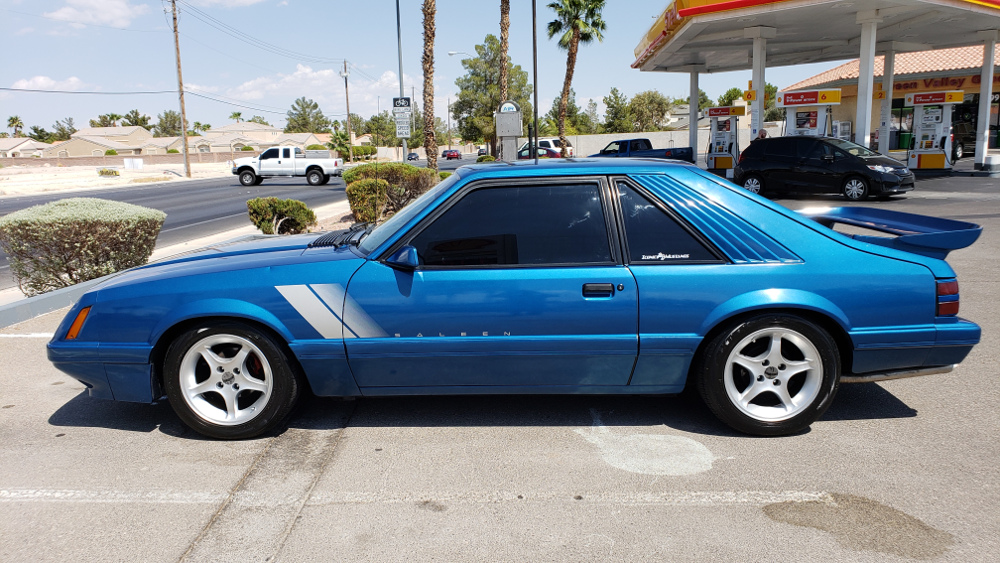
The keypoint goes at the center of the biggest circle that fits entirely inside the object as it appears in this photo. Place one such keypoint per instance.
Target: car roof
(569, 167)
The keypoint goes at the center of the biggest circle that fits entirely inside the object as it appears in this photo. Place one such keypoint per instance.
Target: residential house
(255, 131)
(226, 142)
(21, 146)
(160, 145)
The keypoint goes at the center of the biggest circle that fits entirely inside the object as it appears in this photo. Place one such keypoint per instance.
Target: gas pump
(808, 112)
(931, 149)
(724, 149)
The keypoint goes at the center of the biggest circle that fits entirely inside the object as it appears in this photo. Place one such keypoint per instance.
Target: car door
(269, 162)
(518, 285)
(816, 170)
(780, 158)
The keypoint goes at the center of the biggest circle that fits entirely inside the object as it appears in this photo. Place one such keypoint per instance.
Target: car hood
(256, 251)
(246, 160)
(883, 160)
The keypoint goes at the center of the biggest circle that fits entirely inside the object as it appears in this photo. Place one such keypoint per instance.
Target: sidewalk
(22, 180)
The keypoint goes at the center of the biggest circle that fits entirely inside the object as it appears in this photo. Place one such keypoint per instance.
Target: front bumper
(234, 171)
(893, 184)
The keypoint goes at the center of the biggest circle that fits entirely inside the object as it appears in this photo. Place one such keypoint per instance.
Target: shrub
(444, 175)
(405, 183)
(486, 158)
(247, 149)
(280, 216)
(108, 172)
(73, 240)
(368, 199)
(111, 152)
(172, 151)
(315, 147)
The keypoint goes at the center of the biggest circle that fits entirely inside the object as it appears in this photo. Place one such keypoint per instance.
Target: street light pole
(449, 124)
(399, 42)
(347, 98)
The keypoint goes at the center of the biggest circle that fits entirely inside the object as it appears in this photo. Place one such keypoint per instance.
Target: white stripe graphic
(357, 323)
(312, 310)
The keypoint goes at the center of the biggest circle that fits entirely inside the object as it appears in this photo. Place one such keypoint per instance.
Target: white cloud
(46, 83)
(114, 13)
(201, 88)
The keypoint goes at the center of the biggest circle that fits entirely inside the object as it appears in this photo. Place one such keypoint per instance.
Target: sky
(293, 48)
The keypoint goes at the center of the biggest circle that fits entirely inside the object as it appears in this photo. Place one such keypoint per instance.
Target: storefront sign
(727, 111)
(809, 98)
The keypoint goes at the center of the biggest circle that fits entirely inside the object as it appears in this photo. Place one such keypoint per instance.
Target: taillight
(947, 298)
(742, 154)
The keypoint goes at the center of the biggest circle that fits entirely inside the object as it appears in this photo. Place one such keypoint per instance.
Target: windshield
(396, 222)
(852, 148)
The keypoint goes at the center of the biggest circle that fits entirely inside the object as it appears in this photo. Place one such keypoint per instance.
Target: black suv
(820, 165)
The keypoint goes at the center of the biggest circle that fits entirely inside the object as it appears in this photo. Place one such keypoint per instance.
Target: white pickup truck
(279, 162)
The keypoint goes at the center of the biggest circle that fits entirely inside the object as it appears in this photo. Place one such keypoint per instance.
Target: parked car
(412, 156)
(820, 165)
(451, 154)
(543, 152)
(551, 143)
(642, 148)
(963, 139)
(285, 162)
(481, 152)
(612, 276)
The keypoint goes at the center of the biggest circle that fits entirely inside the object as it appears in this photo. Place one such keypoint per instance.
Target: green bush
(368, 199)
(444, 175)
(111, 152)
(247, 149)
(486, 158)
(282, 216)
(172, 151)
(74, 240)
(317, 148)
(405, 183)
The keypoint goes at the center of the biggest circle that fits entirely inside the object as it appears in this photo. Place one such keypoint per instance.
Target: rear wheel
(229, 380)
(770, 375)
(247, 177)
(856, 189)
(959, 152)
(753, 184)
(315, 177)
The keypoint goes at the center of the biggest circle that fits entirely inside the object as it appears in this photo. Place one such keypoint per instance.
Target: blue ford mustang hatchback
(572, 276)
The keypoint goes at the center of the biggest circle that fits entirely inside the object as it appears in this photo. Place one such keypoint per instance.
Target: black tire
(856, 188)
(753, 184)
(958, 152)
(208, 397)
(258, 181)
(809, 385)
(326, 180)
(247, 177)
(315, 177)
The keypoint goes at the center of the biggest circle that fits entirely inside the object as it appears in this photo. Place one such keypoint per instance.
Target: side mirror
(404, 259)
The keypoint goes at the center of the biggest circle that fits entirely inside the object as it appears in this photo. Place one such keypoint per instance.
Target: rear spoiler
(928, 236)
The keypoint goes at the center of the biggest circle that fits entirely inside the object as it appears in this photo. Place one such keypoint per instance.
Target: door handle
(598, 289)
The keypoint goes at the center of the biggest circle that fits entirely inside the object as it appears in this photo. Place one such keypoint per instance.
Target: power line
(233, 103)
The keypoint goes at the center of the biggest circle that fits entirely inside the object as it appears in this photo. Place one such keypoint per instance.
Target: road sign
(403, 126)
(401, 103)
(402, 110)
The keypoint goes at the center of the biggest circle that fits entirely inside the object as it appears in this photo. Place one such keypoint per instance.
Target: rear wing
(928, 236)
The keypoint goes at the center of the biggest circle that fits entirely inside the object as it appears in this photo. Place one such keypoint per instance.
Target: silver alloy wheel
(855, 189)
(770, 373)
(225, 379)
(752, 184)
(247, 178)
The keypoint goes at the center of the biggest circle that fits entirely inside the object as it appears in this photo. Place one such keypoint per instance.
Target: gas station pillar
(868, 20)
(760, 35)
(985, 96)
(885, 110)
(693, 103)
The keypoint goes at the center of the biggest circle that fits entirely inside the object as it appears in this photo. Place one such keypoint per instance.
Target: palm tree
(579, 21)
(14, 122)
(115, 118)
(238, 116)
(504, 36)
(206, 126)
(430, 142)
(197, 127)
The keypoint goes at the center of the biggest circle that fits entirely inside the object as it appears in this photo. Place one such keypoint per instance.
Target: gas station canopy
(717, 36)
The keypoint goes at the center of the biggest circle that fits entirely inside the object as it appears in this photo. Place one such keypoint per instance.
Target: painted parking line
(28, 335)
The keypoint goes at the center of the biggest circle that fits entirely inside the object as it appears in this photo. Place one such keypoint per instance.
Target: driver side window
(269, 153)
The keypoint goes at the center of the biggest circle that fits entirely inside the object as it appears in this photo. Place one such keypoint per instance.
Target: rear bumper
(913, 348)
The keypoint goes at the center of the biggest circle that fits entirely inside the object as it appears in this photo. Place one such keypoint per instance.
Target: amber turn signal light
(74, 329)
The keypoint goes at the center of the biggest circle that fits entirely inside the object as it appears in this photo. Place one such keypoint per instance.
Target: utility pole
(347, 98)
(180, 91)
(449, 123)
(399, 42)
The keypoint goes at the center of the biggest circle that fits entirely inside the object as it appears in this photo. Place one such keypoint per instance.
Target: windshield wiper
(359, 235)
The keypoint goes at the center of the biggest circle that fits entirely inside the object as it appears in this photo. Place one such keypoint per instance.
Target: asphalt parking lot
(897, 471)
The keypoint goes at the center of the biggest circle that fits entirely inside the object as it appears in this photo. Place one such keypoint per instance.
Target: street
(894, 471)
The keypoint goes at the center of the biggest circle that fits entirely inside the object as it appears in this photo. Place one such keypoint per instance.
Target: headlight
(879, 168)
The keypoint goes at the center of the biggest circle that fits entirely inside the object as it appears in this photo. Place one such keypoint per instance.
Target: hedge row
(372, 201)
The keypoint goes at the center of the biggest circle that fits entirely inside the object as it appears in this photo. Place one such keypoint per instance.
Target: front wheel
(315, 177)
(856, 189)
(229, 380)
(247, 177)
(770, 375)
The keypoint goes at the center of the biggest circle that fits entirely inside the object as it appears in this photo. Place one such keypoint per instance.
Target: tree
(105, 120)
(579, 21)
(357, 124)
(340, 142)
(427, 61)
(479, 92)
(255, 119)
(618, 115)
(196, 128)
(236, 116)
(134, 118)
(40, 134)
(649, 110)
(590, 122)
(4, 135)
(206, 126)
(14, 122)
(169, 124)
(504, 42)
(771, 111)
(730, 97)
(63, 130)
(306, 117)
(382, 128)
(703, 100)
